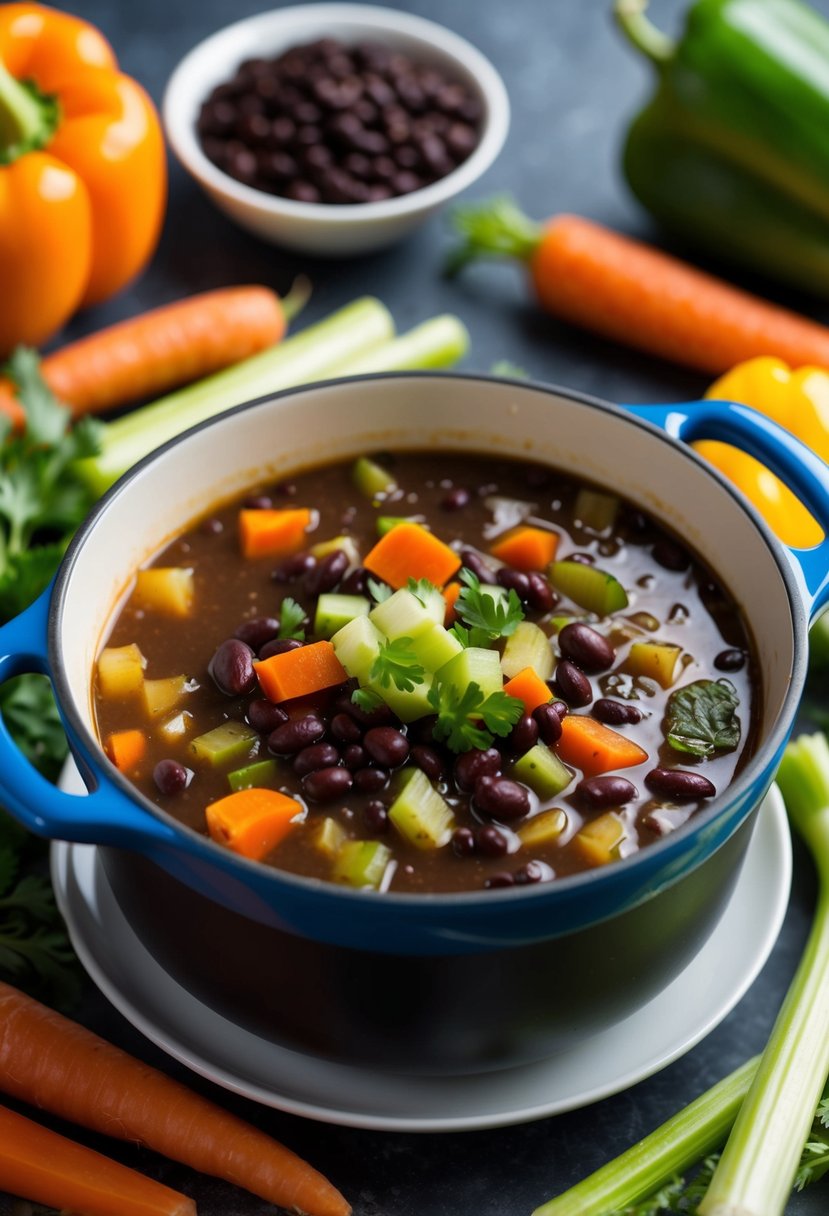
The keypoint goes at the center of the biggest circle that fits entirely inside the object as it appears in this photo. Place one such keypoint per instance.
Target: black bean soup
(426, 673)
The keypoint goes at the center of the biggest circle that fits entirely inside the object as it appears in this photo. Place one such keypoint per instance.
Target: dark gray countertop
(573, 85)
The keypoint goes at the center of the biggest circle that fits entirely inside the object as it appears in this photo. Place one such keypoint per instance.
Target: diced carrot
(253, 821)
(595, 748)
(528, 687)
(273, 533)
(526, 548)
(296, 673)
(409, 551)
(450, 594)
(126, 748)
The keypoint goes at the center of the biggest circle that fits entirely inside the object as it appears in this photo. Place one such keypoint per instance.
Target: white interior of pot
(342, 420)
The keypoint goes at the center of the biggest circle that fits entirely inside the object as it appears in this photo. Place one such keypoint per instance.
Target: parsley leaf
(422, 590)
(470, 637)
(461, 712)
(291, 619)
(497, 617)
(702, 719)
(367, 699)
(397, 664)
(378, 590)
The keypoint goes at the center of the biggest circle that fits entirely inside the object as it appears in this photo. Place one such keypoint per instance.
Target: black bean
(344, 728)
(429, 760)
(303, 192)
(560, 708)
(371, 780)
(501, 798)
(670, 555)
(606, 790)
(279, 646)
(355, 582)
(231, 668)
(326, 784)
(586, 647)
(378, 716)
(514, 580)
(540, 595)
(283, 130)
(463, 842)
(730, 660)
(491, 842)
(572, 685)
(257, 632)
(386, 745)
(171, 777)
(355, 757)
(531, 873)
(294, 567)
(548, 722)
(376, 816)
(503, 879)
(677, 784)
(264, 716)
(292, 736)
(456, 499)
(423, 730)
(474, 764)
(474, 562)
(523, 735)
(616, 713)
(327, 573)
(315, 756)
(461, 139)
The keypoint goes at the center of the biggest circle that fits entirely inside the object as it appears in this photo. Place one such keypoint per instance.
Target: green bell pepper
(732, 152)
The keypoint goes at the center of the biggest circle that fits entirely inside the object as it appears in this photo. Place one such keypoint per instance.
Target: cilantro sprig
(291, 619)
(489, 616)
(397, 664)
(460, 714)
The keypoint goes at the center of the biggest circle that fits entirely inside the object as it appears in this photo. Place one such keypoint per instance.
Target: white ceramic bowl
(323, 228)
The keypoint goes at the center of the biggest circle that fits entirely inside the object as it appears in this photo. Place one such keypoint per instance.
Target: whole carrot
(637, 295)
(161, 349)
(40, 1165)
(53, 1063)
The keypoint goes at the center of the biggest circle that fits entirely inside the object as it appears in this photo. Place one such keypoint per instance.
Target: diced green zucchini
(343, 544)
(261, 772)
(334, 611)
(589, 587)
(120, 670)
(357, 645)
(599, 841)
(541, 769)
(420, 814)
(385, 523)
(655, 660)
(403, 615)
(435, 647)
(161, 696)
(528, 646)
(225, 743)
(595, 509)
(544, 828)
(475, 665)
(371, 479)
(328, 836)
(167, 589)
(409, 706)
(361, 863)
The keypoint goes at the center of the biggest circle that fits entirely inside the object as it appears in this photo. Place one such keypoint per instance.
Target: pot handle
(792, 461)
(106, 815)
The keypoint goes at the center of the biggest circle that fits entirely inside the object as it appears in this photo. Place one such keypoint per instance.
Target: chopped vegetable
(160, 696)
(345, 544)
(588, 587)
(334, 610)
(460, 711)
(261, 772)
(40, 1165)
(225, 743)
(544, 828)
(420, 813)
(397, 664)
(595, 748)
(404, 614)
(526, 548)
(545, 774)
(361, 863)
(164, 589)
(177, 726)
(495, 615)
(357, 646)
(272, 533)
(121, 670)
(371, 479)
(126, 749)
(474, 665)
(410, 551)
(596, 510)
(328, 836)
(599, 840)
(655, 660)
(297, 673)
(252, 821)
(529, 688)
(435, 646)
(527, 646)
(702, 719)
(61, 1067)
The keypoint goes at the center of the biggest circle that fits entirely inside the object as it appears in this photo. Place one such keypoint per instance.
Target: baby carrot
(271, 533)
(526, 548)
(59, 1066)
(300, 672)
(126, 748)
(594, 748)
(40, 1165)
(161, 349)
(410, 551)
(637, 295)
(252, 822)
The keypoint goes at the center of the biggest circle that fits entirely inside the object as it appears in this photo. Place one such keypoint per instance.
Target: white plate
(659, 1033)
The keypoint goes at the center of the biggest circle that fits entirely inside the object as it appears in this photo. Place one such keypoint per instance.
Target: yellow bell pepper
(797, 400)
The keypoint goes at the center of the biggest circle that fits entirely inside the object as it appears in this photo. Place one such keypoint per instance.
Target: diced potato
(160, 696)
(328, 837)
(528, 646)
(120, 670)
(167, 589)
(656, 660)
(598, 841)
(544, 828)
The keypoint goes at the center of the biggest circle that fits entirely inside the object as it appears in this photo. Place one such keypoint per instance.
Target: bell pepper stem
(642, 33)
(26, 118)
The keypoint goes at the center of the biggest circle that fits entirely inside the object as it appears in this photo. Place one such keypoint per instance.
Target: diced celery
(528, 646)
(328, 836)
(420, 814)
(371, 479)
(164, 589)
(357, 645)
(474, 666)
(435, 647)
(361, 863)
(334, 611)
(225, 743)
(177, 726)
(345, 544)
(542, 770)
(261, 772)
(385, 523)
(160, 696)
(656, 660)
(403, 615)
(599, 841)
(544, 828)
(595, 509)
(409, 706)
(120, 670)
(589, 587)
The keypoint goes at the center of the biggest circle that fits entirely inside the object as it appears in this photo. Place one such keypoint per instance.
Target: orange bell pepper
(83, 176)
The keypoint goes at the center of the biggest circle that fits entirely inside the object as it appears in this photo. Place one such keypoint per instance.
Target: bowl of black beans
(335, 129)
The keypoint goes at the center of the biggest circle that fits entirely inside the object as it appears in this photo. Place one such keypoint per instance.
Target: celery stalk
(681, 1142)
(759, 1162)
(438, 342)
